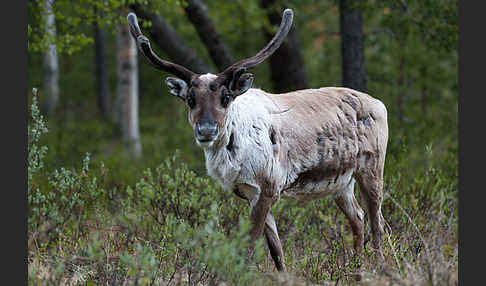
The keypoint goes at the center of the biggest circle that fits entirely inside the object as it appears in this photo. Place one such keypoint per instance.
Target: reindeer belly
(308, 187)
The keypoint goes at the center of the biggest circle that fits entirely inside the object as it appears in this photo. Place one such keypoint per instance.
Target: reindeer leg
(371, 187)
(258, 215)
(349, 206)
(273, 241)
(270, 228)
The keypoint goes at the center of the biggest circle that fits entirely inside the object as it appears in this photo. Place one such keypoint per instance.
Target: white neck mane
(248, 121)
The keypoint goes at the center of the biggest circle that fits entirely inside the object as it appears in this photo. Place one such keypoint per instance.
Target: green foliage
(185, 210)
(70, 18)
(73, 20)
(36, 152)
(59, 197)
(436, 22)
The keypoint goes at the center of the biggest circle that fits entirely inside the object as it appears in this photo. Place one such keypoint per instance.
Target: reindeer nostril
(207, 130)
(198, 130)
(212, 129)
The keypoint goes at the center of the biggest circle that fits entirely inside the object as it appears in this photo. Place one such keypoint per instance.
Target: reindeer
(304, 144)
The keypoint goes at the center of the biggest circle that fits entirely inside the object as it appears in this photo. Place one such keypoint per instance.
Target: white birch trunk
(51, 65)
(127, 89)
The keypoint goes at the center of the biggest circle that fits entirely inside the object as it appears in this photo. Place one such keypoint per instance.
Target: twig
(86, 260)
(394, 253)
(409, 220)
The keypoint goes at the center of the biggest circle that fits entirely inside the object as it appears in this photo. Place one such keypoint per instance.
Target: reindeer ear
(177, 87)
(241, 84)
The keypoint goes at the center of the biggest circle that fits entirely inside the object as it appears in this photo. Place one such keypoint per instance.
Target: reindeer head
(208, 96)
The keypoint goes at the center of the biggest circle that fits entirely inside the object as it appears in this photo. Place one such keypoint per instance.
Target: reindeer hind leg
(349, 206)
(371, 187)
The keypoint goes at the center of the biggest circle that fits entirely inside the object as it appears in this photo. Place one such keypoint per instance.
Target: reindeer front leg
(270, 228)
(258, 215)
(273, 241)
(260, 207)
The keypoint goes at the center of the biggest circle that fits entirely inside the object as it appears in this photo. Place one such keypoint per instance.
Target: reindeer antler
(143, 44)
(241, 66)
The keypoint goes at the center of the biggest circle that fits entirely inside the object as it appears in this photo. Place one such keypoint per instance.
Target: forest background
(112, 203)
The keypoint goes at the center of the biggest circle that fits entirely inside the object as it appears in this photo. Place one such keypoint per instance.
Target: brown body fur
(325, 132)
(319, 135)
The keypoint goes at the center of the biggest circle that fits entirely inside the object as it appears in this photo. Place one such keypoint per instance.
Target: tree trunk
(164, 36)
(352, 48)
(51, 64)
(286, 64)
(127, 88)
(101, 63)
(210, 36)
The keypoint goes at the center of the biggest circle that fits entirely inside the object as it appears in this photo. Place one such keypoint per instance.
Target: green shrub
(190, 215)
(57, 200)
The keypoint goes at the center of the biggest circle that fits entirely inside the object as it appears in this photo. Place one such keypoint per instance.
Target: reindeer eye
(225, 98)
(191, 100)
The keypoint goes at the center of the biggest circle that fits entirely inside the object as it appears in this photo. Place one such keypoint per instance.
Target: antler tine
(266, 52)
(143, 44)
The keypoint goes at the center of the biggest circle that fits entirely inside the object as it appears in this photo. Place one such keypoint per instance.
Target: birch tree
(51, 64)
(127, 90)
